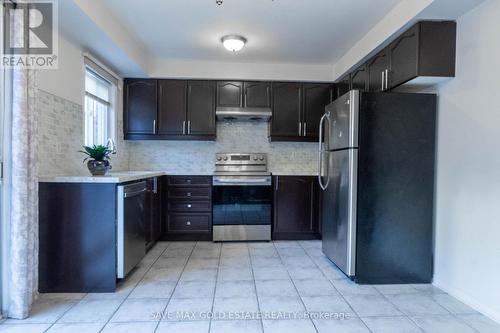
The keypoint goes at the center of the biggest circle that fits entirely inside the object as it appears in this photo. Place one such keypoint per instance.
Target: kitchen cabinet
(286, 122)
(316, 98)
(140, 107)
(172, 107)
(201, 108)
(257, 95)
(344, 85)
(230, 94)
(426, 50)
(153, 229)
(251, 94)
(423, 54)
(377, 69)
(296, 207)
(359, 78)
(169, 110)
(297, 109)
(188, 200)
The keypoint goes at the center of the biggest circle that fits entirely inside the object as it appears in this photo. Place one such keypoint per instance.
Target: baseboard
(469, 300)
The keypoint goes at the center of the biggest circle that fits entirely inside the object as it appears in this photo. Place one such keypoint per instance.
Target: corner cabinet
(297, 109)
(296, 208)
(169, 110)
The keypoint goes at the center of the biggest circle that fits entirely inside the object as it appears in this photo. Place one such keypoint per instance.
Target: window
(99, 108)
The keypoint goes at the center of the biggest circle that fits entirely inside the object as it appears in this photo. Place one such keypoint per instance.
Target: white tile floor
(179, 284)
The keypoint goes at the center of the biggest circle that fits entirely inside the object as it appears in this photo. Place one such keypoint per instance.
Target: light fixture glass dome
(233, 43)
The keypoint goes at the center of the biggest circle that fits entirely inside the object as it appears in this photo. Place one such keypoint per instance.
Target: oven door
(241, 209)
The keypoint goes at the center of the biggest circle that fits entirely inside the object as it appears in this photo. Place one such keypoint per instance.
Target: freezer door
(342, 131)
(339, 210)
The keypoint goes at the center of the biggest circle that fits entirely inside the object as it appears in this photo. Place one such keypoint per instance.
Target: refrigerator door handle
(321, 151)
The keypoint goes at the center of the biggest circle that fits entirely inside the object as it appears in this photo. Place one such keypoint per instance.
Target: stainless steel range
(242, 197)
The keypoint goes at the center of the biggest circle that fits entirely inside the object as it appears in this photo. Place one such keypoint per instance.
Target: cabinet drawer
(190, 206)
(189, 181)
(187, 223)
(191, 193)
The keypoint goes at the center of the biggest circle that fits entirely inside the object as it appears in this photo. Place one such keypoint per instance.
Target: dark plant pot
(98, 168)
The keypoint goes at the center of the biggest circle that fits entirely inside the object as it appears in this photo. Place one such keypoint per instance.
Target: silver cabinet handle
(189, 126)
(387, 79)
(277, 183)
(305, 128)
(155, 185)
(383, 80)
(183, 127)
(188, 194)
(188, 223)
(300, 128)
(188, 205)
(154, 126)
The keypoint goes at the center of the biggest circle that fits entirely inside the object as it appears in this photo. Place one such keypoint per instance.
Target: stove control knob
(225, 158)
(219, 158)
(261, 157)
(255, 158)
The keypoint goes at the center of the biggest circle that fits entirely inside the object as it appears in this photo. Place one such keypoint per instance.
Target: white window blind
(99, 108)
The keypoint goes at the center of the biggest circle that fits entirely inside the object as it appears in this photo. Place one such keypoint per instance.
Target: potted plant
(98, 159)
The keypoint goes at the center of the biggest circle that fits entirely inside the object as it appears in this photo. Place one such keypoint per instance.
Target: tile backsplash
(61, 136)
(197, 157)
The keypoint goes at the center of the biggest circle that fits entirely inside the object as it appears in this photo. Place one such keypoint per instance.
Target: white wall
(467, 245)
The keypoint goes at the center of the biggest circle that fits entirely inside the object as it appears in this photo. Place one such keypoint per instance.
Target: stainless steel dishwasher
(131, 239)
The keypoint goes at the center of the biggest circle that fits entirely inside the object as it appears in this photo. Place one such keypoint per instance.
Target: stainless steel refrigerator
(376, 169)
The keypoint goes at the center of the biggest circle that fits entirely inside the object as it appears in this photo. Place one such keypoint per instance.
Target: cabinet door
(257, 94)
(359, 79)
(316, 98)
(376, 66)
(201, 108)
(140, 108)
(296, 207)
(404, 57)
(172, 107)
(344, 85)
(229, 94)
(286, 108)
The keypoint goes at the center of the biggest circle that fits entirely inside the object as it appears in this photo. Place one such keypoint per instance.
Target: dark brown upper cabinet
(297, 109)
(286, 122)
(172, 107)
(316, 98)
(425, 50)
(344, 85)
(377, 68)
(296, 207)
(425, 53)
(201, 108)
(169, 110)
(230, 94)
(140, 107)
(359, 78)
(257, 94)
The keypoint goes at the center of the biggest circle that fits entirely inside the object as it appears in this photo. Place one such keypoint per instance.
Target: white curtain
(23, 233)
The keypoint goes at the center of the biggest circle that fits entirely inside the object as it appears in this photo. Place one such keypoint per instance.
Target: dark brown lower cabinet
(188, 213)
(153, 227)
(296, 208)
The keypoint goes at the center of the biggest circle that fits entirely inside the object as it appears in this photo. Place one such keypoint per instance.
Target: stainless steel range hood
(243, 114)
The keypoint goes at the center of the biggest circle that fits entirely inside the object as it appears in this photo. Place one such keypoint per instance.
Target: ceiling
(284, 31)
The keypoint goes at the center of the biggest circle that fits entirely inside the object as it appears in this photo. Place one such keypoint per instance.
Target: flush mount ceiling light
(233, 43)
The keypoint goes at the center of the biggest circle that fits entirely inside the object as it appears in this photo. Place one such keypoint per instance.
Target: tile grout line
(342, 296)
(176, 283)
(62, 315)
(298, 294)
(215, 289)
(255, 288)
(135, 286)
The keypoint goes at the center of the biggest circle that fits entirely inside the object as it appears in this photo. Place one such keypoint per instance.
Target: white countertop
(111, 177)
